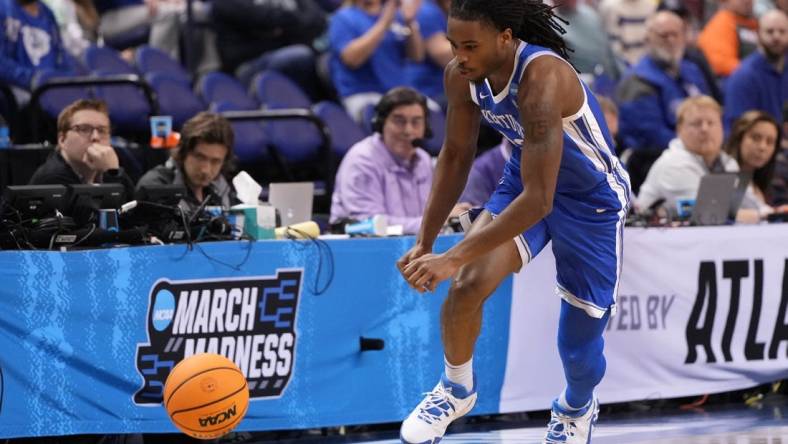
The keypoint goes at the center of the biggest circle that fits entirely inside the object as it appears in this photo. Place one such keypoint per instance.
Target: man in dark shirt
(83, 154)
(200, 164)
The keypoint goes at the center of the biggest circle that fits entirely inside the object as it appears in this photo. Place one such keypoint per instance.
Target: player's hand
(459, 209)
(100, 158)
(414, 253)
(426, 272)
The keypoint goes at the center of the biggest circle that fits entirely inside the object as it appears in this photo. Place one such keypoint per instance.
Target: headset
(397, 97)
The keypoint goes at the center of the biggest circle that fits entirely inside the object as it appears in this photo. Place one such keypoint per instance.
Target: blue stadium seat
(106, 60)
(297, 141)
(251, 141)
(221, 88)
(344, 131)
(175, 98)
(129, 109)
(152, 60)
(273, 90)
(54, 100)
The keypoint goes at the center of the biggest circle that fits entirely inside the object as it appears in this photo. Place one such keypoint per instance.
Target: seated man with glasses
(387, 173)
(83, 154)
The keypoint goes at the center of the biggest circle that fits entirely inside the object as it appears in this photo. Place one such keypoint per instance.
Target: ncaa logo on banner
(251, 321)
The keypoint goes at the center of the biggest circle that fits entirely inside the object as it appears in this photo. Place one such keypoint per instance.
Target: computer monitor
(715, 201)
(97, 196)
(35, 201)
(293, 200)
(164, 194)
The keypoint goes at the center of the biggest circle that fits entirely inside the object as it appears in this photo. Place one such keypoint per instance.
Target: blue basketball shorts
(587, 238)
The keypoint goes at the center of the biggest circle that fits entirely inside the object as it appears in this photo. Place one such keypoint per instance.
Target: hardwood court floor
(768, 425)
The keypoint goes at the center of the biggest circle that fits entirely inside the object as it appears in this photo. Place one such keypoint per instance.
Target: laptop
(293, 200)
(719, 197)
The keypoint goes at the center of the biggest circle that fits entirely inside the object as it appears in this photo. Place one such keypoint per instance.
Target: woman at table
(754, 142)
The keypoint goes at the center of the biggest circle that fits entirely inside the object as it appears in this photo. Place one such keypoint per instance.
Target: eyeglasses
(86, 130)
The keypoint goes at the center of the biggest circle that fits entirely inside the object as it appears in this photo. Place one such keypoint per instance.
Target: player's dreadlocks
(530, 20)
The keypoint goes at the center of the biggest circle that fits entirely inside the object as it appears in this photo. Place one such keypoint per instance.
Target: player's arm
(455, 158)
(549, 90)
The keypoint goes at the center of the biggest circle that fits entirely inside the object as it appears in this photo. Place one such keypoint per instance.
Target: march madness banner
(700, 310)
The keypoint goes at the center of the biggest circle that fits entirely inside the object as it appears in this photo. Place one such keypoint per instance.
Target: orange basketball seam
(238, 419)
(212, 402)
(195, 375)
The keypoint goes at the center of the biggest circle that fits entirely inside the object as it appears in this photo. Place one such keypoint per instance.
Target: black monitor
(97, 195)
(35, 201)
(163, 194)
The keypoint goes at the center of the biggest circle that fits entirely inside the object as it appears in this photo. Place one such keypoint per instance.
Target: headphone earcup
(376, 123)
(427, 127)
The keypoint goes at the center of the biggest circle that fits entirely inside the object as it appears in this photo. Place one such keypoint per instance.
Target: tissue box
(256, 221)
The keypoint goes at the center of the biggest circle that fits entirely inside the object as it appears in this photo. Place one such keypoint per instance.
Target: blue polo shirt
(426, 76)
(755, 84)
(385, 67)
(29, 44)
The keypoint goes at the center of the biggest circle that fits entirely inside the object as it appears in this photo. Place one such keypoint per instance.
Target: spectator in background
(83, 153)
(625, 23)
(585, 35)
(764, 6)
(761, 80)
(649, 95)
(203, 157)
(31, 43)
(386, 173)
(610, 110)
(78, 20)
(118, 17)
(696, 152)
(729, 36)
(692, 52)
(485, 174)
(753, 142)
(778, 189)
(370, 42)
(253, 35)
(427, 76)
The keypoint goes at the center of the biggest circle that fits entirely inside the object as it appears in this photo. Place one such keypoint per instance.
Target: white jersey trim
(473, 93)
(498, 98)
(591, 309)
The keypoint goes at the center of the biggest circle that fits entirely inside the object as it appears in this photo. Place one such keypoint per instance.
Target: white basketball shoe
(427, 423)
(572, 427)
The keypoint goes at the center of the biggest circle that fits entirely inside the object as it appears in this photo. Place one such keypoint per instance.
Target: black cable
(92, 230)
(236, 267)
(321, 246)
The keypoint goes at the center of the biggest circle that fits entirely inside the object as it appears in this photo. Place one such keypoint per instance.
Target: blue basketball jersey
(589, 170)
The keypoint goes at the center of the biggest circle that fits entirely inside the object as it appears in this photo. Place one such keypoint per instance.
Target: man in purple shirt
(387, 173)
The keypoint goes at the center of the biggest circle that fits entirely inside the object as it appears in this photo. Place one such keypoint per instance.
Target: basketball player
(562, 183)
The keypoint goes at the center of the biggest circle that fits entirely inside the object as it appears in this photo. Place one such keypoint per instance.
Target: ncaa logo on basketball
(251, 321)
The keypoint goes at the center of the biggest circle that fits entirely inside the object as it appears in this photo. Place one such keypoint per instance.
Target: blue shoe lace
(436, 406)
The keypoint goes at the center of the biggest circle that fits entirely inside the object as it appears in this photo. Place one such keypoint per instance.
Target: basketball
(206, 395)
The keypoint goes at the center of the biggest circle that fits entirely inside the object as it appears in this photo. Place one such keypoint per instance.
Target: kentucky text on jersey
(588, 165)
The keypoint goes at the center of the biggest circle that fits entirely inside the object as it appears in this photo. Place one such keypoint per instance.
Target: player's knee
(467, 291)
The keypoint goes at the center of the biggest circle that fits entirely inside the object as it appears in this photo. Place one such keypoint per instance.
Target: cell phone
(161, 126)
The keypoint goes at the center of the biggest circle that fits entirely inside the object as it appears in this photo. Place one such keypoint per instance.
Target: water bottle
(5, 138)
